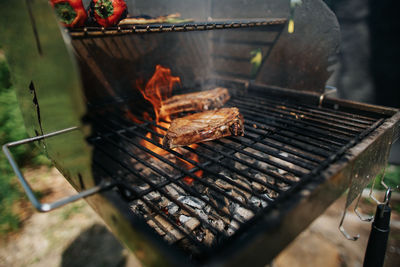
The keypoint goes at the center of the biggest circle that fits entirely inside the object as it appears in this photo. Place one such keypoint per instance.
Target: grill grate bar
(297, 129)
(326, 111)
(280, 166)
(313, 131)
(286, 135)
(284, 147)
(335, 126)
(295, 161)
(325, 116)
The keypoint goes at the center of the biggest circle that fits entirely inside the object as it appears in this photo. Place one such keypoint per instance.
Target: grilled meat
(204, 126)
(199, 101)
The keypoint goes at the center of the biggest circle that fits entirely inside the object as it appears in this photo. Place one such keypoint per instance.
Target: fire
(157, 89)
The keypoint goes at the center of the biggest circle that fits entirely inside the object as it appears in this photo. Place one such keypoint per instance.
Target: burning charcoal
(284, 163)
(139, 208)
(189, 222)
(258, 202)
(183, 219)
(163, 202)
(198, 187)
(152, 196)
(207, 209)
(170, 233)
(219, 201)
(257, 187)
(271, 194)
(202, 215)
(143, 187)
(246, 185)
(174, 190)
(226, 174)
(200, 234)
(291, 177)
(172, 208)
(243, 214)
(192, 202)
(245, 157)
(222, 184)
(154, 225)
(283, 186)
(217, 223)
(233, 227)
(264, 178)
(282, 172)
(209, 238)
(263, 166)
(240, 167)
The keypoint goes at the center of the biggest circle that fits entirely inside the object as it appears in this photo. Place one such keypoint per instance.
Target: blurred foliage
(11, 129)
(391, 179)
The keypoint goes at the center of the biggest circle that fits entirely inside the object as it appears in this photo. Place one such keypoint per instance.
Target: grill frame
(267, 236)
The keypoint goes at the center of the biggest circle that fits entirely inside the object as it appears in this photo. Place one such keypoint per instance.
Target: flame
(157, 89)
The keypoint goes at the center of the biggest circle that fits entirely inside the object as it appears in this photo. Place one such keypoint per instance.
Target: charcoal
(189, 222)
(164, 228)
(223, 185)
(172, 208)
(209, 238)
(154, 195)
(192, 202)
(174, 190)
(202, 214)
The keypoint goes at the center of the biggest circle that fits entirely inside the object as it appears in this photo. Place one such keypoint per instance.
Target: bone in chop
(199, 101)
(204, 126)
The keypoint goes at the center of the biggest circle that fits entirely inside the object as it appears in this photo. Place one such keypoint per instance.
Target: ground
(75, 236)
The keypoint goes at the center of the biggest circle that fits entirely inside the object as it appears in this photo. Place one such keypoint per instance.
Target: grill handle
(44, 207)
(377, 242)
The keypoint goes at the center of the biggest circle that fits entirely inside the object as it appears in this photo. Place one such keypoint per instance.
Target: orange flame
(157, 89)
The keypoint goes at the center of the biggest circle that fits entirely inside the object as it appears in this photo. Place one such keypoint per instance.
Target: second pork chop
(204, 126)
(198, 101)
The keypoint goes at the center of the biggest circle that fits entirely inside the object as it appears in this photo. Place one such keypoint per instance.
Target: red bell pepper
(107, 13)
(72, 13)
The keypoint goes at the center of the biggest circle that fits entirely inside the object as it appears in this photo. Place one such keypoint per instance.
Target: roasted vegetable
(107, 13)
(72, 13)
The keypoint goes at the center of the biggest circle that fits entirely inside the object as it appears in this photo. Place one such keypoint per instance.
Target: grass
(72, 209)
(12, 128)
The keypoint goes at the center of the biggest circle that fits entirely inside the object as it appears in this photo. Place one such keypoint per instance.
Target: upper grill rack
(180, 27)
(242, 178)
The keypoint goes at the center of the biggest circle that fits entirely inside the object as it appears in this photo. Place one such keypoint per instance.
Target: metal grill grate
(285, 145)
(181, 27)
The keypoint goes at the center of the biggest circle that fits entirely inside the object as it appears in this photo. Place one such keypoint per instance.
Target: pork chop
(198, 101)
(204, 126)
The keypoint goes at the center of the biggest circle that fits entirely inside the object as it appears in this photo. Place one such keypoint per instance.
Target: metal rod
(44, 207)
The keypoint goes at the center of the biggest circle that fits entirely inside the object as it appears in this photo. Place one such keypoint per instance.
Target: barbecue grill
(225, 202)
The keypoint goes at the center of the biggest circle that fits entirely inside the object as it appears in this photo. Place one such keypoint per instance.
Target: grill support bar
(44, 207)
